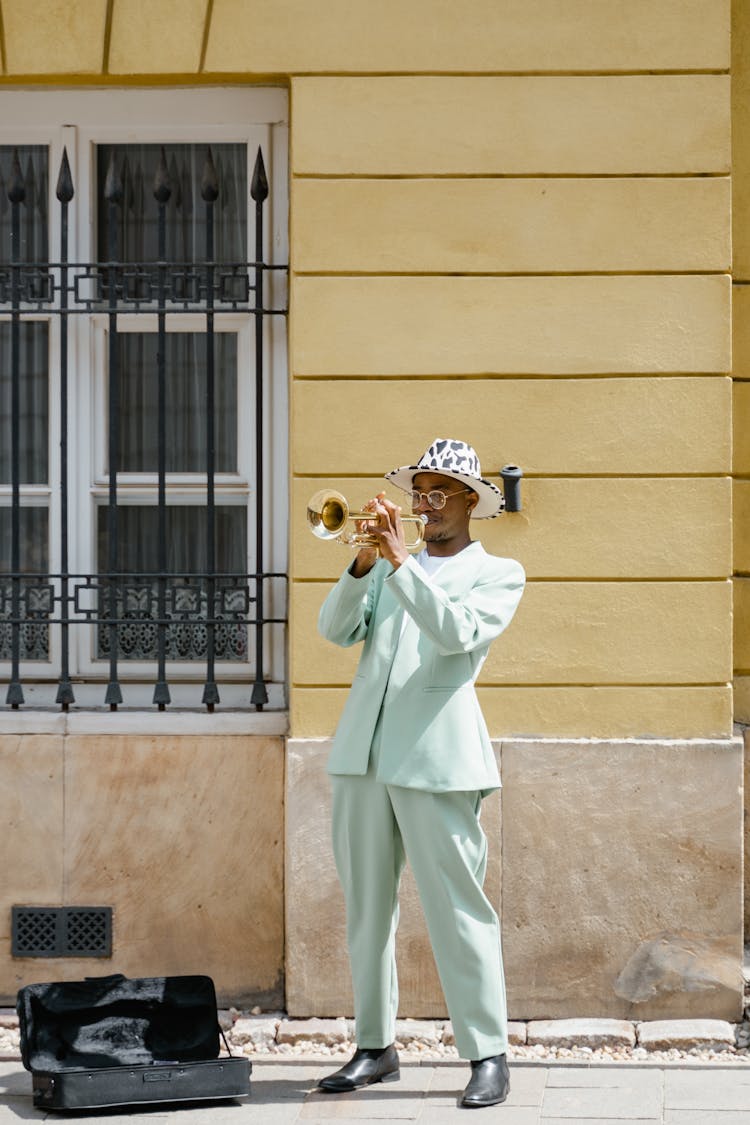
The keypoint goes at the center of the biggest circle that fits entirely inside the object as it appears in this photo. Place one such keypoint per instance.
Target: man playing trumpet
(412, 760)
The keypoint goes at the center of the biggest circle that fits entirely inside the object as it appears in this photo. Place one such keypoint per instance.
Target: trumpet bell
(327, 513)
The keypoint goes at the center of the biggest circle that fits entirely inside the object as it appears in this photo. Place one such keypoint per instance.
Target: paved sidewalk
(555, 1094)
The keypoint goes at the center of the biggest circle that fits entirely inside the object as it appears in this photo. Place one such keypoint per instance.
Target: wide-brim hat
(453, 458)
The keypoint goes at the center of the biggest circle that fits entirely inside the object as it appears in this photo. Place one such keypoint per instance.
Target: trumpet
(328, 514)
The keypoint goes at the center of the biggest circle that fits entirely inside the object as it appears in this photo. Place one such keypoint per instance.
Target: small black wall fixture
(511, 475)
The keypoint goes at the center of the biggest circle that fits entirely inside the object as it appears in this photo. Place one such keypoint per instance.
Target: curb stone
(707, 1035)
(582, 1033)
(328, 1032)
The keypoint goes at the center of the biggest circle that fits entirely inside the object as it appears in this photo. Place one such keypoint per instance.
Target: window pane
(185, 421)
(187, 599)
(32, 436)
(33, 539)
(35, 603)
(137, 218)
(34, 238)
(137, 536)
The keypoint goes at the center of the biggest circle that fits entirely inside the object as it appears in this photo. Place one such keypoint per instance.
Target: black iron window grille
(171, 581)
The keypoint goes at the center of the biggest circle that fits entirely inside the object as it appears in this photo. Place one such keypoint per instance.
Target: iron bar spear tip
(259, 183)
(64, 190)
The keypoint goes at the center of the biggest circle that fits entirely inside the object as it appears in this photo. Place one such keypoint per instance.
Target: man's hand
(387, 528)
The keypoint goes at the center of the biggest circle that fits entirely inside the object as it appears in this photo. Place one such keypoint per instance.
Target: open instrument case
(109, 1041)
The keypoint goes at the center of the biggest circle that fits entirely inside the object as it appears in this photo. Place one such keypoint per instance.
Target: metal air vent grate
(61, 931)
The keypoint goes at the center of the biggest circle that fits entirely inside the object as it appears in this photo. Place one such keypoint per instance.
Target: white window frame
(209, 115)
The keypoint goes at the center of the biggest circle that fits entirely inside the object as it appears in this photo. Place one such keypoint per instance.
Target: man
(412, 760)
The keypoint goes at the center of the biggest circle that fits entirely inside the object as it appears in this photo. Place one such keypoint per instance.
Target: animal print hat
(455, 459)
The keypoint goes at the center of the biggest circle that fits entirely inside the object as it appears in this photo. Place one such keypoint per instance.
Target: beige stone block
(660, 426)
(335, 35)
(31, 830)
(740, 336)
(740, 331)
(183, 837)
(741, 426)
(317, 967)
(54, 36)
(616, 632)
(742, 699)
(569, 711)
(569, 633)
(511, 226)
(609, 711)
(622, 879)
(510, 325)
(742, 624)
(625, 528)
(741, 525)
(571, 125)
(162, 38)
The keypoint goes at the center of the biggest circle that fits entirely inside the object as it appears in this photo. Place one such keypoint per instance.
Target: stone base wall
(616, 867)
(176, 823)
(747, 833)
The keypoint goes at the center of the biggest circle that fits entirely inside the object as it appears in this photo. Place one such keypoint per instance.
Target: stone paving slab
(720, 1091)
(626, 1103)
(605, 1077)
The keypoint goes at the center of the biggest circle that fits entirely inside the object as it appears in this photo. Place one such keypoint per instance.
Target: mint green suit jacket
(425, 640)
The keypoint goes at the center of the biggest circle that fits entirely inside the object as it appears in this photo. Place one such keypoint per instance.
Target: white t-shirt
(430, 563)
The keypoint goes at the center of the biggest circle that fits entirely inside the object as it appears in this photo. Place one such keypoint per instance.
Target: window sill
(149, 722)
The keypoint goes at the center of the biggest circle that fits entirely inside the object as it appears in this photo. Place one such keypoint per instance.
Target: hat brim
(491, 500)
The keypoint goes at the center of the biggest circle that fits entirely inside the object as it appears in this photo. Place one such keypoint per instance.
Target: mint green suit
(411, 761)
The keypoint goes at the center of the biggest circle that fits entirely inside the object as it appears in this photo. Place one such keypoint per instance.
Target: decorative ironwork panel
(188, 616)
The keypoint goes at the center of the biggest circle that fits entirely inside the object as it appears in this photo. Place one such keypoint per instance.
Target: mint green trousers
(375, 828)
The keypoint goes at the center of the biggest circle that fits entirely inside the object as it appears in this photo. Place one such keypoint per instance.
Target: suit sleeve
(344, 617)
(462, 624)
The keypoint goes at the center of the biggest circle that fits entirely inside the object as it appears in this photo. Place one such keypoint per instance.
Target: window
(142, 397)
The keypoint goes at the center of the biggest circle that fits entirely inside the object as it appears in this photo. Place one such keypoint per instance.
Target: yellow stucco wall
(516, 229)
(493, 257)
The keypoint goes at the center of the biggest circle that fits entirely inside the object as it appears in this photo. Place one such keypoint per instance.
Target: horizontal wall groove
(488, 376)
(283, 78)
(511, 274)
(529, 476)
(413, 73)
(353, 177)
(623, 685)
(537, 580)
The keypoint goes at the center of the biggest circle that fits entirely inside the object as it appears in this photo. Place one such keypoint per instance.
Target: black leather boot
(367, 1065)
(489, 1084)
